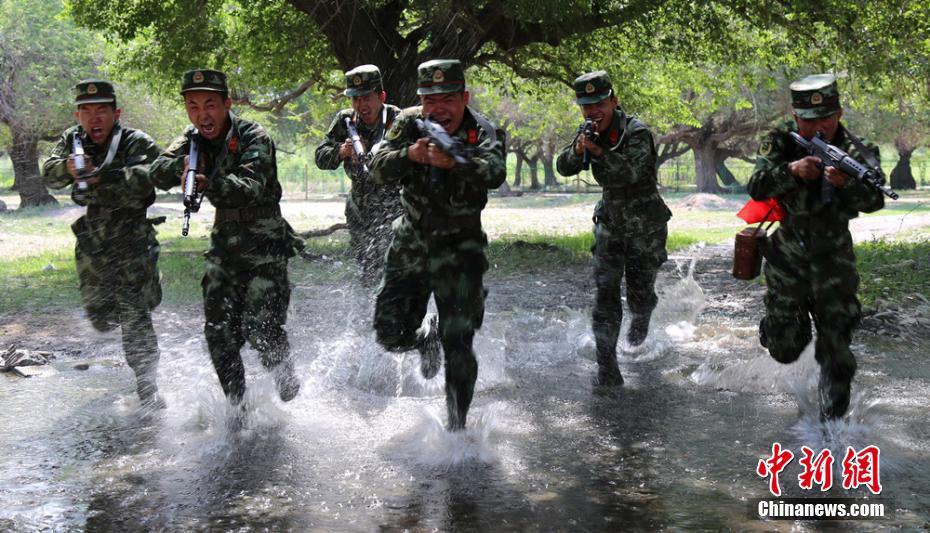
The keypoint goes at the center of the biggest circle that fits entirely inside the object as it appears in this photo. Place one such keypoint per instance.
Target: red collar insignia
(233, 144)
(472, 136)
(614, 136)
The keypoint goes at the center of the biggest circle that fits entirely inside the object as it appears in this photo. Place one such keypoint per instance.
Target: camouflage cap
(592, 87)
(94, 92)
(204, 80)
(815, 96)
(362, 80)
(440, 76)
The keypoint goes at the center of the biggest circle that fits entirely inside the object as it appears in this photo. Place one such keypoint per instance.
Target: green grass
(537, 252)
(27, 284)
(892, 270)
(33, 221)
(889, 270)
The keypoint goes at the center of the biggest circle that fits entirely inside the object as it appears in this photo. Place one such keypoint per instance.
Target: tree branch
(276, 105)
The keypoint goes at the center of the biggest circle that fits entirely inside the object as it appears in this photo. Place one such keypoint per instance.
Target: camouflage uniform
(630, 223)
(245, 288)
(438, 246)
(810, 267)
(116, 250)
(370, 207)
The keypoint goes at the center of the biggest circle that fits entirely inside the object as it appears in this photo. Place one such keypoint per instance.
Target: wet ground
(363, 447)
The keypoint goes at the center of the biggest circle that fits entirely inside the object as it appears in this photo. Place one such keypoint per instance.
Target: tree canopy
(40, 55)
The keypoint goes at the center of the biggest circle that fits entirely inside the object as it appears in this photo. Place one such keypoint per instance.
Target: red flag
(761, 210)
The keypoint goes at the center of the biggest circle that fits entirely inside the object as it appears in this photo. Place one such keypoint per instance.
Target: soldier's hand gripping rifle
(437, 135)
(357, 146)
(589, 131)
(832, 156)
(192, 197)
(80, 164)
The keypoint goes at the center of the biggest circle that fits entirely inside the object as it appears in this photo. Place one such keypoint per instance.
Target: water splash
(428, 442)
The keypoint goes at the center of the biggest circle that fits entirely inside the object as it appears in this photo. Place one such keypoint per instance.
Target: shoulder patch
(410, 111)
(395, 130)
(765, 147)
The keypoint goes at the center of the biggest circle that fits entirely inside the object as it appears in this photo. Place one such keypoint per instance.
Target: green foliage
(162, 118)
(264, 46)
(42, 55)
(891, 270)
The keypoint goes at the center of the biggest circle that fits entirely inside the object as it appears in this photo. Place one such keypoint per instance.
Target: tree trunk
(705, 167)
(24, 153)
(534, 173)
(504, 190)
(549, 172)
(518, 170)
(901, 176)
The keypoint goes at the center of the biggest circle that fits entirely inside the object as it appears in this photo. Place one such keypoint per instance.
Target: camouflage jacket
(627, 172)
(327, 153)
(123, 183)
(463, 190)
(327, 156)
(821, 225)
(242, 173)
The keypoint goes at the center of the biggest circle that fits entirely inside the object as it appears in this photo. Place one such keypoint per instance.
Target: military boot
(457, 403)
(639, 329)
(763, 338)
(834, 397)
(608, 371)
(147, 390)
(286, 380)
(430, 346)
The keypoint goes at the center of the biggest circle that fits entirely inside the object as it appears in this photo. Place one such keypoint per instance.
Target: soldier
(810, 268)
(370, 207)
(116, 251)
(630, 220)
(245, 288)
(438, 246)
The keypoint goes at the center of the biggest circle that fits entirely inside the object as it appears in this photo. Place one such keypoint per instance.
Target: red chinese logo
(817, 470)
(859, 468)
(862, 469)
(773, 466)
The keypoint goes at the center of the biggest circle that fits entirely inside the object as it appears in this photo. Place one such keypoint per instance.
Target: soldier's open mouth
(96, 131)
(207, 129)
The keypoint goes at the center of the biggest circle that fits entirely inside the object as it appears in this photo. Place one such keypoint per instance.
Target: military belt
(808, 223)
(430, 222)
(246, 214)
(634, 190)
(124, 213)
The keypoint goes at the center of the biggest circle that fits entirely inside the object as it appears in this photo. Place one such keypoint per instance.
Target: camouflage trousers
(450, 265)
(630, 250)
(824, 288)
(370, 236)
(117, 268)
(245, 305)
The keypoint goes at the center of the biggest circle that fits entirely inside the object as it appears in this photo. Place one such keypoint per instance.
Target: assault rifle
(445, 142)
(80, 164)
(192, 197)
(589, 131)
(358, 147)
(437, 135)
(831, 156)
